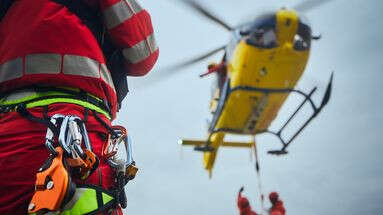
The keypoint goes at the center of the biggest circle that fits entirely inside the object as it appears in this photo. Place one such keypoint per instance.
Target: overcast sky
(334, 167)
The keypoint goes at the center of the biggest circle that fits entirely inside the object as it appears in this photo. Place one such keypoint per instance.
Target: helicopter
(260, 68)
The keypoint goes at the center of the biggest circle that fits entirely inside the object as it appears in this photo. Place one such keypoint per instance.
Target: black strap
(45, 112)
(90, 17)
(22, 110)
(86, 114)
(4, 6)
(110, 130)
(116, 63)
(101, 206)
(100, 202)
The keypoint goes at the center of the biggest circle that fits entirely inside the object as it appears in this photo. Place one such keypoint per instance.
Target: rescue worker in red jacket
(277, 207)
(244, 205)
(52, 62)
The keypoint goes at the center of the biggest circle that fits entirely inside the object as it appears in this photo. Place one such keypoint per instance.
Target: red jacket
(43, 43)
(244, 206)
(278, 208)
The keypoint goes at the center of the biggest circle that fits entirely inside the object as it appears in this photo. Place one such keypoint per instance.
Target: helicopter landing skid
(277, 152)
(316, 110)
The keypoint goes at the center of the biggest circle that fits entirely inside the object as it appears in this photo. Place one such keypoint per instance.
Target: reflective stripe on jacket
(43, 43)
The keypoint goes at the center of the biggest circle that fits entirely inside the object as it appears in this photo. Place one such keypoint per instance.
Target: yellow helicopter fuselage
(259, 77)
(251, 112)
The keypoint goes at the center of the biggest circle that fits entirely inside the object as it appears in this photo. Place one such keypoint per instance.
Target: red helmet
(243, 203)
(273, 196)
(275, 213)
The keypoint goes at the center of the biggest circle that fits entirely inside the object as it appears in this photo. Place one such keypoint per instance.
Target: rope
(257, 170)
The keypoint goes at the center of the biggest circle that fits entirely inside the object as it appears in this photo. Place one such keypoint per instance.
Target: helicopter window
(299, 43)
(263, 38)
(302, 39)
(260, 32)
(264, 21)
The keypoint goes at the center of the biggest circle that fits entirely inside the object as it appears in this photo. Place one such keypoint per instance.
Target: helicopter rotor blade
(309, 5)
(193, 60)
(166, 72)
(208, 14)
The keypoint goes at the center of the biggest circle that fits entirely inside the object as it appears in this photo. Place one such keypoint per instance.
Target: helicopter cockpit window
(261, 33)
(263, 38)
(302, 39)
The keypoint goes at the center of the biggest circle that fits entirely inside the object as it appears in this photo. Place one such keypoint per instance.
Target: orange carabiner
(109, 149)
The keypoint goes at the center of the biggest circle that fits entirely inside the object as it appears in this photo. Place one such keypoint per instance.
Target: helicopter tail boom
(186, 142)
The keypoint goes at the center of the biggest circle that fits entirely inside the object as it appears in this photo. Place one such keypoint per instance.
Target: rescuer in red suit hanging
(277, 207)
(244, 205)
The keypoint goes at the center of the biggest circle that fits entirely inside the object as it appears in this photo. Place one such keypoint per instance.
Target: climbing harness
(71, 157)
(54, 186)
(38, 96)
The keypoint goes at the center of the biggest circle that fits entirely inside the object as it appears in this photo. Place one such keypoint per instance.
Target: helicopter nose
(286, 47)
(287, 26)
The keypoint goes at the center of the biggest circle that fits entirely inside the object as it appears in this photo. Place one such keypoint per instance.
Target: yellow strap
(84, 201)
(45, 102)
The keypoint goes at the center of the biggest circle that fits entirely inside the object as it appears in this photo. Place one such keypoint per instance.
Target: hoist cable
(259, 181)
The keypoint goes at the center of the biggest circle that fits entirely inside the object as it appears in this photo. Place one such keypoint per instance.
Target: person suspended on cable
(220, 71)
(277, 207)
(243, 204)
(63, 77)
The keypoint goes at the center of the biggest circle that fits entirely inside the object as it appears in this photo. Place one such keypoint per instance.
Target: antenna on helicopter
(316, 37)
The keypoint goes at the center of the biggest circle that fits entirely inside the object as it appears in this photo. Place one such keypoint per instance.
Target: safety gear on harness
(41, 96)
(70, 159)
(118, 152)
(54, 186)
(119, 155)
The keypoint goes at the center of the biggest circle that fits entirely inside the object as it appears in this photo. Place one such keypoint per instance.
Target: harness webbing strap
(4, 6)
(22, 110)
(89, 200)
(111, 131)
(46, 96)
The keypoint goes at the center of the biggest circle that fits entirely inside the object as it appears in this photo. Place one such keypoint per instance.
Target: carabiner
(74, 137)
(49, 137)
(118, 152)
(63, 132)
